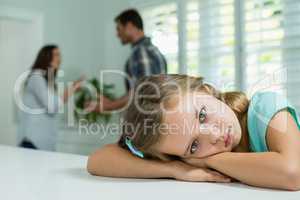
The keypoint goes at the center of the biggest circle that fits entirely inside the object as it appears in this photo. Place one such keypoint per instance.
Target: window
(272, 47)
(211, 40)
(209, 35)
(249, 45)
(162, 26)
(291, 49)
(263, 44)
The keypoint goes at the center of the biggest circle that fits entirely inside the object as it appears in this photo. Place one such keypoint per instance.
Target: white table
(37, 175)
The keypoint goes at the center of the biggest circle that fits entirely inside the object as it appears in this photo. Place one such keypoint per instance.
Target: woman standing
(38, 124)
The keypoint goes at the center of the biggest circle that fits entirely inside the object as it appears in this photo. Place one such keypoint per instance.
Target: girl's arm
(279, 168)
(114, 161)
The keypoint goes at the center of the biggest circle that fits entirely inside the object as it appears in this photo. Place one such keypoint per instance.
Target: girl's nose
(213, 138)
(216, 134)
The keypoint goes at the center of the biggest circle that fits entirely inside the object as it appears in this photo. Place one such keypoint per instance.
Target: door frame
(34, 17)
(37, 20)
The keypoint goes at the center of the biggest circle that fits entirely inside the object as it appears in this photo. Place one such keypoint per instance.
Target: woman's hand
(78, 83)
(91, 106)
(69, 91)
(185, 172)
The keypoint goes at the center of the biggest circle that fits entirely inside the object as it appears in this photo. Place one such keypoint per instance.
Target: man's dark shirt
(145, 60)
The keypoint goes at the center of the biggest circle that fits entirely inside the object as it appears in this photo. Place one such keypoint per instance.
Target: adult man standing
(145, 58)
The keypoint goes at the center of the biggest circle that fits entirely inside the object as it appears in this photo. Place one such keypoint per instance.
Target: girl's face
(56, 58)
(198, 125)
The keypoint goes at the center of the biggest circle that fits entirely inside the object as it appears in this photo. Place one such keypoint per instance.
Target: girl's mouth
(227, 140)
(228, 136)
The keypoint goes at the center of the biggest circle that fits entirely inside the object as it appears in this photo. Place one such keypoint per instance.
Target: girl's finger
(219, 174)
(216, 178)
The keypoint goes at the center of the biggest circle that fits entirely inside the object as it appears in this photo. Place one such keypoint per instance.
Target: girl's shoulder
(263, 107)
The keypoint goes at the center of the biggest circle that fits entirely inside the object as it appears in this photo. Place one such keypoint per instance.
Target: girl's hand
(202, 162)
(197, 162)
(185, 172)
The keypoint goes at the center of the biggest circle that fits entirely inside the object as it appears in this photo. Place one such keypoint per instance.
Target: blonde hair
(153, 91)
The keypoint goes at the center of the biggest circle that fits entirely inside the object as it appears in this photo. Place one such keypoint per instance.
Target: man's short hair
(130, 15)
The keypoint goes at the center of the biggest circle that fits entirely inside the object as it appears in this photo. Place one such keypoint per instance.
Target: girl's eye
(194, 146)
(202, 115)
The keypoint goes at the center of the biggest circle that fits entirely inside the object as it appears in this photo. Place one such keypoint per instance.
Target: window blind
(263, 43)
(255, 41)
(272, 47)
(211, 40)
(161, 25)
(291, 49)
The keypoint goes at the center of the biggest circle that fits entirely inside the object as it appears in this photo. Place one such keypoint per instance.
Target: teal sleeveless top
(263, 106)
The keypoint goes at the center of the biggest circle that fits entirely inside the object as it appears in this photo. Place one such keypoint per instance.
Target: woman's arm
(46, 98)
(279, 168)
(114, 161)
(69, 91)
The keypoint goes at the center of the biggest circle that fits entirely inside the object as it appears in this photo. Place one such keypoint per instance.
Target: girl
(39, 130)
(178, 127)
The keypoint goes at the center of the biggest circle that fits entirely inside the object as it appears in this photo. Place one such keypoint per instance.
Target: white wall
(83, 29)
(114, 54)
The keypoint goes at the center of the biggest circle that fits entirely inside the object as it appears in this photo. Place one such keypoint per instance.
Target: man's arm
(105, 105)
(140, 67)
(110, 105)
(279, 168)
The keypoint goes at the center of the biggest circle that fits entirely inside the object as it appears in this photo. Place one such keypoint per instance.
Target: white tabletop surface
(37, 175)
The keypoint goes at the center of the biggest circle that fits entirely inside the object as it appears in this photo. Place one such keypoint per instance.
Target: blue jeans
(27, 144)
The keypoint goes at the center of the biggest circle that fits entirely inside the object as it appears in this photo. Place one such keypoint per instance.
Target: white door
(18, 47)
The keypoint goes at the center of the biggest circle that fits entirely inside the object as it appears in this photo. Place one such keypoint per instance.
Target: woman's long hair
(43, 62)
